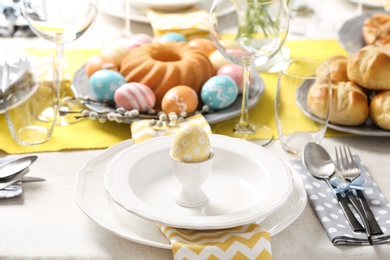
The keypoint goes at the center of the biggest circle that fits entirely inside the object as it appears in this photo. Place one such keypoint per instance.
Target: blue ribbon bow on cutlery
(343, 187)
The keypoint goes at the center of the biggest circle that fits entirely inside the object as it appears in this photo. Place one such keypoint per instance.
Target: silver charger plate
(366, 129)
(350, 34)
(81, 88)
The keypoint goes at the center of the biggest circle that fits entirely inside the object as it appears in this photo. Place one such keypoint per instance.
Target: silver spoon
(319, 164)
(11, 168)
(15, 179)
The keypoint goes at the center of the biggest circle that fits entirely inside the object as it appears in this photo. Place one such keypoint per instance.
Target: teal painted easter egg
(104, 83)
(219, 92)
(173, 37)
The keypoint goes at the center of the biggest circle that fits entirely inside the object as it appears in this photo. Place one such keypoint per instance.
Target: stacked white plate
(139, 8)
(247, 184)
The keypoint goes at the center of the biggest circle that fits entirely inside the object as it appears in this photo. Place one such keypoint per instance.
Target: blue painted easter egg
(173, 37)
(105, 82)
(219, 92)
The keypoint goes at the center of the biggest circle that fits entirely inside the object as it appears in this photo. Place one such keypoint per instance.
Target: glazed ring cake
(162, 66)
(376, 29)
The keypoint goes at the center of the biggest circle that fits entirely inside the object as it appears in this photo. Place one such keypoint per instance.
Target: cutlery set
(343, 177)
(15, 170)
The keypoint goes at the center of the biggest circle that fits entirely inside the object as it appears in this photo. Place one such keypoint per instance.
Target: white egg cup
(191, 176)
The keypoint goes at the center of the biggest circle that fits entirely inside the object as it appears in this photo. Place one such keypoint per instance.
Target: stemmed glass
(248, 37)
(61, 22)
(386, 5)
(127, 33)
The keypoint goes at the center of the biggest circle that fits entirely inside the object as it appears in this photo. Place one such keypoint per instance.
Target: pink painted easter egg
(233, 71)
(135, 95)
(137, 40)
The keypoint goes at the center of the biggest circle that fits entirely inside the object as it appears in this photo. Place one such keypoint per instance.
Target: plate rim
(248, 215)
(294, 211)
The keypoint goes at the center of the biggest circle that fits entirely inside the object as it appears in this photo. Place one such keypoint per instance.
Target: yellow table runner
(89, 134)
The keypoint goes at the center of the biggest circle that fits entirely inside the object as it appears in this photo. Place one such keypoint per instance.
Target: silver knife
(358, 207)
(31, 179)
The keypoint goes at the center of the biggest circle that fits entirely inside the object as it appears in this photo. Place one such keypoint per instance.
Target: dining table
(48, 222)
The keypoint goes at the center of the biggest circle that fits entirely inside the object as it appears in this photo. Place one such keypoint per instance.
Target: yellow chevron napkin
(244, 242)
(191, 23)
(143, 129)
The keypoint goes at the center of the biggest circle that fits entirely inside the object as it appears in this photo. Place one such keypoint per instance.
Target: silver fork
(351, 171)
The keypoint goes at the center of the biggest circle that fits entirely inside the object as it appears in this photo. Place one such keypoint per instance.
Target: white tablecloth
(46, 223)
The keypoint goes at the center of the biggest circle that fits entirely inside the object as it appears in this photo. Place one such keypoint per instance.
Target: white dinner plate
(350, 34)
(116, 8)
(246, 183)
(367, 129)
(93, 200)
(369, 3)
(81, 88)
(165, 5)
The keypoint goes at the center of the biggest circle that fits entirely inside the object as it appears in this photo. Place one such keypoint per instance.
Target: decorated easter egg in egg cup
(191, 160)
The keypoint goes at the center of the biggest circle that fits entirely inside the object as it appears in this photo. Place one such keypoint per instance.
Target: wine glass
(61, 22)
(248, 37)
(386, 5)
(127, 33)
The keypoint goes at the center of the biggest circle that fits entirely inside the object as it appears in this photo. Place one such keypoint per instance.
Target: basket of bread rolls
(360, 82)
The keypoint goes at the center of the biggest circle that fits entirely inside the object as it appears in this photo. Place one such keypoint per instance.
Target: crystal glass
(249, 37)
(302, 104)
(31, 95)
(386, 5)
(61, 22)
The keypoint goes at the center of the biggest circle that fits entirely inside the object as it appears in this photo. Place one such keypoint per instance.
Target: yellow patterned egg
(191, 144)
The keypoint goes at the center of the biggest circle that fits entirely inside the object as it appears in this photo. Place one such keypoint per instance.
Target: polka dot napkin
(332, 218)
(13, 190)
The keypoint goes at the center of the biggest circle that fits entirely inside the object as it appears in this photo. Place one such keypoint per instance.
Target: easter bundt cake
(162, 66)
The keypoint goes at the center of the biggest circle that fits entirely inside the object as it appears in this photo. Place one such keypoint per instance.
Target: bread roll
(369, 67)
(376, 29)
(380, 109)
(337, 67)
(349, 104)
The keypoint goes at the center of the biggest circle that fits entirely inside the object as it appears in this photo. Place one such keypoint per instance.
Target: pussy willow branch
(258, 16)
